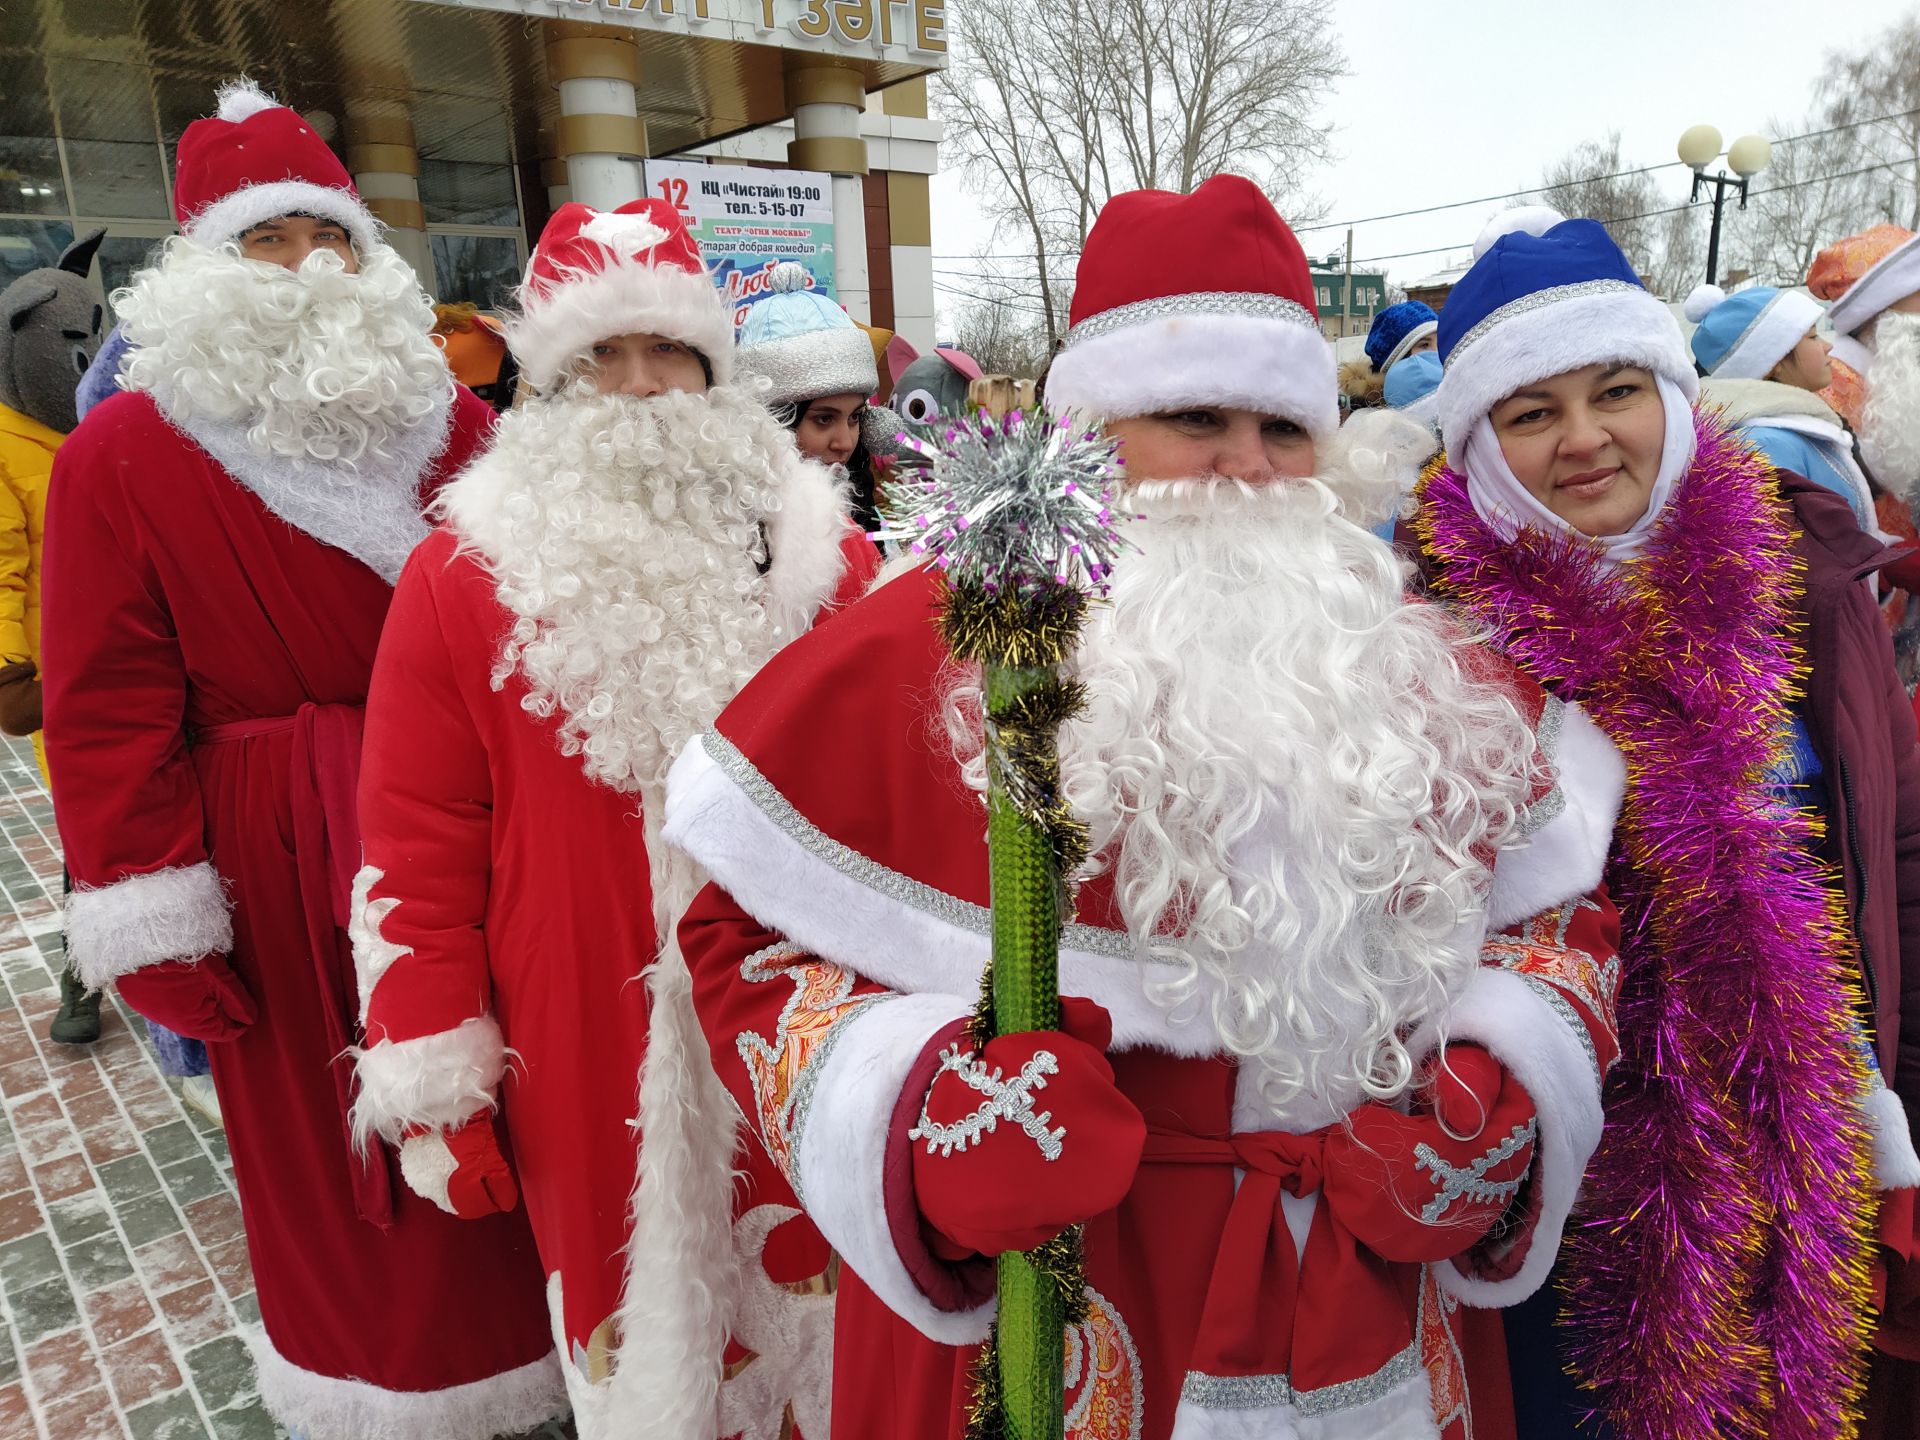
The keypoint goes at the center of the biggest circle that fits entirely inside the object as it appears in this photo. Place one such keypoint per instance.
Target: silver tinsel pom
(1012, 506)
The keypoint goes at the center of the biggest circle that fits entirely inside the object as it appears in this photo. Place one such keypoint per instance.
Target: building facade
(465, 122)
(1344, 311)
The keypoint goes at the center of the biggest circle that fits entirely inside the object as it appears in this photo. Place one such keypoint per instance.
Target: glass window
(30, 176)
(479, 269)
(453, 193)
(30, 245)
(118, 178)
(120, 256)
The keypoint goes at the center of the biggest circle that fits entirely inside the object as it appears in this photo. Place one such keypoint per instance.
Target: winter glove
(1025, 1137)
(461, 1170)
(202, 999)
(1428, 1186)
(19, 698)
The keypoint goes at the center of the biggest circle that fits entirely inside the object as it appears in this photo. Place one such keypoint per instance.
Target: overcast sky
(1450, 102)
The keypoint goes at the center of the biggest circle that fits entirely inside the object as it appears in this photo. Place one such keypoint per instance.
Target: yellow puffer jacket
(26, 465)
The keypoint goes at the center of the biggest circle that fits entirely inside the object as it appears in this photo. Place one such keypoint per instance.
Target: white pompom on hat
(1517, 219)
(1701, 302)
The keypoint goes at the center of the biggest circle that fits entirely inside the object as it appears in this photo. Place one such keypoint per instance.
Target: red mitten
(1427, 1186)
(1028, 1136)
(461, 1170)
(202, 999)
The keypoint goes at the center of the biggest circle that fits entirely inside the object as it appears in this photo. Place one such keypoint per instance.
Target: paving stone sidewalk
(123, 1272)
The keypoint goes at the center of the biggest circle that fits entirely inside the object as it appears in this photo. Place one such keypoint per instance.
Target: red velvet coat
(206, 665)
(842, 940)
(505, 888)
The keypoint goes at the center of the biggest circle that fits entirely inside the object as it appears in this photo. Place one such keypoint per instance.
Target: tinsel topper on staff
(1019, 516)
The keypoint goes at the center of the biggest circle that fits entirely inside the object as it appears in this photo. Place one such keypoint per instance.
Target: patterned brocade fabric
(784, 1068)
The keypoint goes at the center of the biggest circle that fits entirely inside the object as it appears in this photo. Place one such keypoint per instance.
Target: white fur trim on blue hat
(1272, 364)
(1541, 336)
(1769, 338)
(624, 297)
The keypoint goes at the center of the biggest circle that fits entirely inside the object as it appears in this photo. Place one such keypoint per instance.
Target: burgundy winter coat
(1862, 724)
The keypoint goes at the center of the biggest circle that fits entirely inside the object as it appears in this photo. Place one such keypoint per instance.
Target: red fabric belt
(1261, 1283)
(324, 777)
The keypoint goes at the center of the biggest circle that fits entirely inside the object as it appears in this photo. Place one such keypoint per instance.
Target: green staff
(1018, 515)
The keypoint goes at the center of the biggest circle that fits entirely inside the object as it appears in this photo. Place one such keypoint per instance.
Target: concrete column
(553, 175)
(910, 222)
(385, 163)
(600, 136)
(826, 100)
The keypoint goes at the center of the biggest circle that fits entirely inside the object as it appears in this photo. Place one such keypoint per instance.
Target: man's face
(288, 240)
(1907, 305)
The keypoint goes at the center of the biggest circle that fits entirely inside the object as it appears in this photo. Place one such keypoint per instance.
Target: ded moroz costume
(607, 577)
(222, 543)
(1295, 895)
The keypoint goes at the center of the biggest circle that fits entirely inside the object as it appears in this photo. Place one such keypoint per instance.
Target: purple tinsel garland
(1719, 1279)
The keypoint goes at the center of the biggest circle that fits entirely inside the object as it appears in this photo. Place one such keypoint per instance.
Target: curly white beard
(315, 363)
(1297, 790)
(1890, 419)
(624, 537)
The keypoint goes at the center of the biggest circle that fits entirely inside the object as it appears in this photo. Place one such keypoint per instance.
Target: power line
(1509, 195)
(1665, 210)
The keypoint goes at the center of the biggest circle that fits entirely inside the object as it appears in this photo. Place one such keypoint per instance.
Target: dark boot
(78, 1022)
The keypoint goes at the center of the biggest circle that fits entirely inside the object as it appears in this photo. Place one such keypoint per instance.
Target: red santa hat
(255, 160)
(1201, 299)
(600, 273)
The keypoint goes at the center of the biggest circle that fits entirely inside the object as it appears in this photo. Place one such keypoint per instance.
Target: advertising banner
(747, 220)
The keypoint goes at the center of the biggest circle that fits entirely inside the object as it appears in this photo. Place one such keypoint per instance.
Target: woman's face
(830, 428)
(1586, 444)
(644, 365)
(1806, 366)
(1429, 341)
(1209, 442)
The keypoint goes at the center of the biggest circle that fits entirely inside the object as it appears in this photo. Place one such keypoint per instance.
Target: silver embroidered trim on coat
(1539, 300)
(1260, 1392)
(1010, 1100)
(1550, 806)
(1472, 1182)
(1563, 1007)
(1249, 303)
(1093, 939)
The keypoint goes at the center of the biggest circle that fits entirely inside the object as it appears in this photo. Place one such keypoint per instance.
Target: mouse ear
(23, 297)
(77, 258)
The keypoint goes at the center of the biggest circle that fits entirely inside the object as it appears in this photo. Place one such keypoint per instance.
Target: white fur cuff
(1565, 858)
(328, 1407)
(1504, 1013)
(1895, 1165)
(433, 1080)
(841, 1152)
(176, 914)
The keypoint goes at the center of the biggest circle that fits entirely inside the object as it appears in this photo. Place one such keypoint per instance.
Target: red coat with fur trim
(507, 909)
(207, 661)
(841, 942)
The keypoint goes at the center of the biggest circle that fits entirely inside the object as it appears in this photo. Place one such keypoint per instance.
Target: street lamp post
(1749, 155)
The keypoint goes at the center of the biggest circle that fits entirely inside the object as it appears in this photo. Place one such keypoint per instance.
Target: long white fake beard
(1295, 787)
(316, 364)
(1890, 419)
(627, 547)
